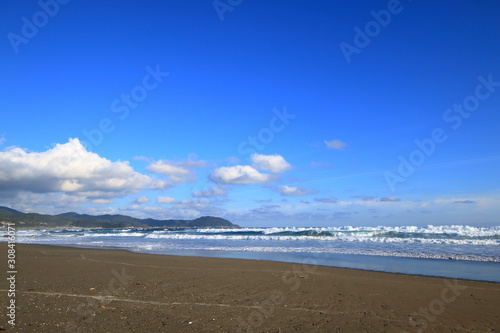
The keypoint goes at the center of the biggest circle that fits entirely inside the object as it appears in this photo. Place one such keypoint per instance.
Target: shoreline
(112, 290)
(418, 266)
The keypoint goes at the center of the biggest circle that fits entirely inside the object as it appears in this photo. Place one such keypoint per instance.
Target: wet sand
(62, 289)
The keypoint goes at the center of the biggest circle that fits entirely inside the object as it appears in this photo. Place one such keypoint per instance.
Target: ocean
(454, 251)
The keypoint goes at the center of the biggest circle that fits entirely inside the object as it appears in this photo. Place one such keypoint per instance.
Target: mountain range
(71, 219)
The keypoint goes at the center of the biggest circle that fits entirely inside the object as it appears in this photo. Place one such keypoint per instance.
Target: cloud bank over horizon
(68, 177)
(69, 168)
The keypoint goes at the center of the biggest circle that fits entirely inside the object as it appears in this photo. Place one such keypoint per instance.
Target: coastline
(64, 288)
(484, 270)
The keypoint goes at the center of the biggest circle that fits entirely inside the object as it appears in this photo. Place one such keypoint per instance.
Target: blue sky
(278, 113)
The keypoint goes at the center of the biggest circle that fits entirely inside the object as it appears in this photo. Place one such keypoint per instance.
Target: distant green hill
(208, 221)
(72, 219)
(6, 211)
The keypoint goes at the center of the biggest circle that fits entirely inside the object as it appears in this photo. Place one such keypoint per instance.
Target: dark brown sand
(81, 290)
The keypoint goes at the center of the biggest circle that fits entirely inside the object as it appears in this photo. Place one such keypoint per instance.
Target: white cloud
(246, 174)
(239, 174)
(45, 203)
(335, 144)
(165, 200)
(2, 139)
(142, 200)
(177, 172)
(158, 184)
(215, 191)
(71, 169)
(272, 163)
(292, 191)
(102, 201)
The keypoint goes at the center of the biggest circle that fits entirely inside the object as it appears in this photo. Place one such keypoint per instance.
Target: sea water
(454, 251)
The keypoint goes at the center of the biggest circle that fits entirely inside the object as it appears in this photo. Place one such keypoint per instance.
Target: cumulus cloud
(157, 184)
(246, 174)
(71, 169)
(335, 144)
(177, 172)
(239, 174)
(272, 163)
(165, 200)
(141, 200)
(45, 203)
(292, 190)
(215, 191)
(102, 201)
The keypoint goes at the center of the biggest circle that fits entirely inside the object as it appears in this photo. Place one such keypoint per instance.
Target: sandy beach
(84, 290)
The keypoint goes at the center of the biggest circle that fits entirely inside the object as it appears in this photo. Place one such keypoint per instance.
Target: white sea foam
(458, 230)
(337, 238)
(118, 234)
(314, 250)
(442, 242)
